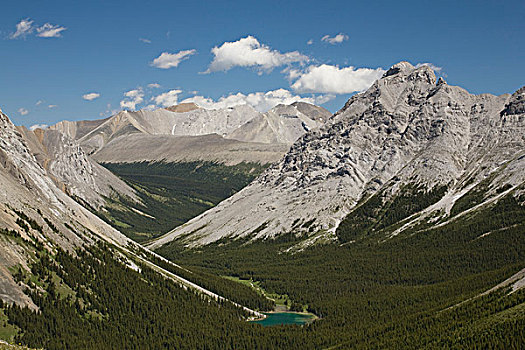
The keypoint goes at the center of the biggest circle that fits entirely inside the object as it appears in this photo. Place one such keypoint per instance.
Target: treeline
(379, 212)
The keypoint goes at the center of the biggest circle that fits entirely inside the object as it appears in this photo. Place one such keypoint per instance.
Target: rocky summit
(407, 135)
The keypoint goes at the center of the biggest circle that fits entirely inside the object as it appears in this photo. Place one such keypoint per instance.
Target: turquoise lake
(277, 318)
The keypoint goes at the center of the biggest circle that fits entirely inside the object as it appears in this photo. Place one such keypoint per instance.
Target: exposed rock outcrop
(71, 169)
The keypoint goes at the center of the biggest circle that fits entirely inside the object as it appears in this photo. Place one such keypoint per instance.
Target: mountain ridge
(270, 133)
(407, 129)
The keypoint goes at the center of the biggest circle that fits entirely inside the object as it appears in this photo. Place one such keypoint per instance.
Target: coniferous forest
(418, 290)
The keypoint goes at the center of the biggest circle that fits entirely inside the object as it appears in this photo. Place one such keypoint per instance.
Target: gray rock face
(71, 169)
(516, 104)
(316, 113)
(405, 128)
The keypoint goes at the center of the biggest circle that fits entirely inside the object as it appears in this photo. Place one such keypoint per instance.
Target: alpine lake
(283, 318)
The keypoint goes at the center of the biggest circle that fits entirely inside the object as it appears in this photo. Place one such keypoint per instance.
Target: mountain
(177, 133)
(428, 250)
(72, 170)
(38, 211)
(168, 148)
(283, 124)
(179, 152)
(39, 222)
(432, 151)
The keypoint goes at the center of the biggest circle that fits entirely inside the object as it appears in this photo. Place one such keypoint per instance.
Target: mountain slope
(72, 170)
(39, 221)
(282, 124)
(407, 136)
(167, 148)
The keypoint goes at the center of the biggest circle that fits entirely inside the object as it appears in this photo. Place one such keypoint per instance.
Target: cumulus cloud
(310, 42)
(91, 96)
(333, 80)
(23, 28)
(154, 86)
(261, 101)
(39, 102)
(249, 52)
(167, 99)
(132, 99)
(431, 66)
(49, 30)
(144, 40)
(52, 106)
(337, 39)
(27, 26)
(38, 126)
(168, 60)
(23, 111)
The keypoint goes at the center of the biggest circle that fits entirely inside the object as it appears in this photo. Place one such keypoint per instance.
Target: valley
(171, 194)
(388, 224)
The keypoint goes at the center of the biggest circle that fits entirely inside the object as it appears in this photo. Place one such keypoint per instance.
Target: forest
(420, 289)
(171, 193)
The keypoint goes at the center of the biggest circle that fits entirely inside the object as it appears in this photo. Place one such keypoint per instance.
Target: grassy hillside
(171, 194)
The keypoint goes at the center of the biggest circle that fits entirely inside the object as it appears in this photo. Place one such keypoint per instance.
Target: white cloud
(52, 106)
(261, 101)
(150, 107)
(23, 28)
(167, 99)
(339, 38)
(144, 40)
(49, 30)
(109, 111)
(319, 100)
(23, 111)
(154, 86)
(91, 96)
(334, 80)
(248, 52)
(38, 126)
(431, 66)
(310, 42)
(168, 60)
(39, 102)
(133, 98)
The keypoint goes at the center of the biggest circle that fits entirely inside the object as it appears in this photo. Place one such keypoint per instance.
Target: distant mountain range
(187, 132)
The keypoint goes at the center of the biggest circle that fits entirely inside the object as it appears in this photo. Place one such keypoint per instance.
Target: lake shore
(309, 317)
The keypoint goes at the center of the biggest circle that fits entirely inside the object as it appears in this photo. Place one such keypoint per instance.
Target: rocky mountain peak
(404, 131)
(401, 67)
(516, 104)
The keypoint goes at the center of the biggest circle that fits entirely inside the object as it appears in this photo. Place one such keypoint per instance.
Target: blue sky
(72, 49)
